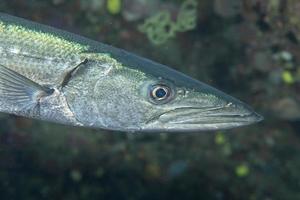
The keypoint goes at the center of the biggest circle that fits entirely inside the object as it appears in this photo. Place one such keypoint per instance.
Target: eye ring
(160, 93)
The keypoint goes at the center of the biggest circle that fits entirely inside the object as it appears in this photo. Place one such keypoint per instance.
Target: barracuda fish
(57, 76)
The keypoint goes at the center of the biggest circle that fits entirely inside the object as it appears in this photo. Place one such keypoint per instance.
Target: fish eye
(160, 93)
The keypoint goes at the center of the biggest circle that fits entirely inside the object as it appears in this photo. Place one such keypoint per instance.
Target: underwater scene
(248, 49)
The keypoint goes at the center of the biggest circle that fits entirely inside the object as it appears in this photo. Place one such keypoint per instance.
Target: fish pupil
(160, 93)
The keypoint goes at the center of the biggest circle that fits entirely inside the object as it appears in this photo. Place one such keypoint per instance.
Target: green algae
(114, 6)
(160, 27)
(242, 170)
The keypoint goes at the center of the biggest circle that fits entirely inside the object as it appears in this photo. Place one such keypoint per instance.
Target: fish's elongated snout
(208, 118)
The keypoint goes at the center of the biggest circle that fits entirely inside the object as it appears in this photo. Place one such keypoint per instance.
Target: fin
(70, 73)
(20, 90)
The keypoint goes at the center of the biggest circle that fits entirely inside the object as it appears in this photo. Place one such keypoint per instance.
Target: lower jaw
(194, 127)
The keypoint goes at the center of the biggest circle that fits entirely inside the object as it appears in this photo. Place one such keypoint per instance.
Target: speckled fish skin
(109, 89)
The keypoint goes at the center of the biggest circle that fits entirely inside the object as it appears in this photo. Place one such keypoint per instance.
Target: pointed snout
(193, 118)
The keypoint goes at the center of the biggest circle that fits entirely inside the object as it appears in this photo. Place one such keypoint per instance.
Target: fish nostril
(229, 104)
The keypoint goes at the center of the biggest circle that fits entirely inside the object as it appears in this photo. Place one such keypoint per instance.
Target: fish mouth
(209, 118)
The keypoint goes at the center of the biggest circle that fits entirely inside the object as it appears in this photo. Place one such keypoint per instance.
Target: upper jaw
(199, 118)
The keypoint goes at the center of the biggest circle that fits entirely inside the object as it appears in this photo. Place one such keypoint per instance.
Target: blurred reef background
(247, 48)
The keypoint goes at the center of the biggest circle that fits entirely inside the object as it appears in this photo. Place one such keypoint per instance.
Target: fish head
(151, 97)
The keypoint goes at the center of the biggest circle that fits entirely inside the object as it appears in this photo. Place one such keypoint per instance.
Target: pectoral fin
(19, 90)
(70, 73)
